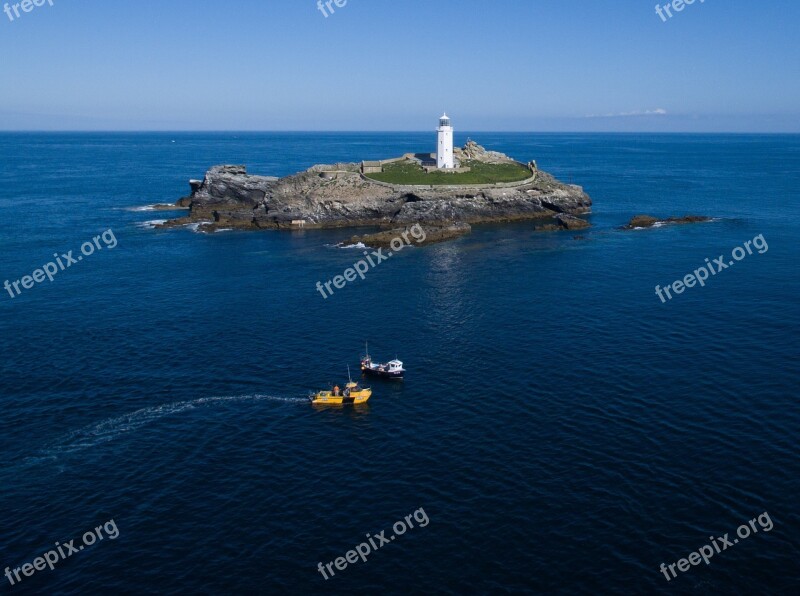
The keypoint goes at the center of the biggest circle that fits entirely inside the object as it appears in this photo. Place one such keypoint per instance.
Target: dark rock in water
(642, 221)
(570, 222)
(648, 221)
(416, 235)
(687, 219)
(564, 222)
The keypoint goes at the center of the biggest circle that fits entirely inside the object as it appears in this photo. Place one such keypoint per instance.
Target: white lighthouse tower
(444, 153)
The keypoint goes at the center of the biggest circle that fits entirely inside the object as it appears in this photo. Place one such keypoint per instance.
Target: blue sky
(529, 65)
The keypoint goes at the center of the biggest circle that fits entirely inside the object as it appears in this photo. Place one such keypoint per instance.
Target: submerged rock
(416, 235)
(564, 222)
(570, 222)
(648, 221)
(687, 219)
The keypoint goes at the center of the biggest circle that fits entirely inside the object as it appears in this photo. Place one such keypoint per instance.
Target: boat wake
(108, 430)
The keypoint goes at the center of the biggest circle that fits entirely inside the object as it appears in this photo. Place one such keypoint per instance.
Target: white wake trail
(108, 430)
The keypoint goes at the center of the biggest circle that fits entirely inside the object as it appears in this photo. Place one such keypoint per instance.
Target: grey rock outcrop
(473, 151)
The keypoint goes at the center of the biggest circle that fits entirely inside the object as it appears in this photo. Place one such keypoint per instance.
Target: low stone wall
(376, 167)
(410, 187)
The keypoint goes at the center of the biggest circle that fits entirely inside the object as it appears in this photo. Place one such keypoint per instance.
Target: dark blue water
(561, 428)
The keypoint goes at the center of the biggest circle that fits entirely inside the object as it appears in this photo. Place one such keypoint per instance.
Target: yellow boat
(352, 394)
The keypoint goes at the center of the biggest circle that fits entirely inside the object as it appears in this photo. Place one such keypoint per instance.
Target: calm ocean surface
(563, 430)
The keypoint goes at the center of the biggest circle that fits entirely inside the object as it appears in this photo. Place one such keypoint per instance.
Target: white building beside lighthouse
(444, 151)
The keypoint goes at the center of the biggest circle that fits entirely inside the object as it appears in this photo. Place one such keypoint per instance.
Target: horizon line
(323, 131)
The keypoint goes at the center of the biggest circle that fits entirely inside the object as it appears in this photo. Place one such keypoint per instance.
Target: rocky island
(482, 186)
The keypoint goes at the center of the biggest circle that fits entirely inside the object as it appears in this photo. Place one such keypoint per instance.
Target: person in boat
(347, 391)
(336, 390)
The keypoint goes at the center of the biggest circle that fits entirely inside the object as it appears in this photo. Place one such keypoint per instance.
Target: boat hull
(388, 370)
(327, 398)
(383, 373)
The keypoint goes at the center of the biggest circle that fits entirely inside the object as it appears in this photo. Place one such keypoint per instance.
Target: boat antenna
(348, 374)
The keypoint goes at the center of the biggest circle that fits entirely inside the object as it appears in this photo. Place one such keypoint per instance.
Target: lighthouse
(444, 153)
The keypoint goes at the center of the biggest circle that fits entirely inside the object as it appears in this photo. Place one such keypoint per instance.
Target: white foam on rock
(195, 227)
(156, 207)
(149, 225)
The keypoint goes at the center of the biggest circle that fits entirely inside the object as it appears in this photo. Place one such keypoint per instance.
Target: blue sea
(560, 428)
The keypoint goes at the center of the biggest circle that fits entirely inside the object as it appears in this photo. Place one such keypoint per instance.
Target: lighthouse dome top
(444, 120)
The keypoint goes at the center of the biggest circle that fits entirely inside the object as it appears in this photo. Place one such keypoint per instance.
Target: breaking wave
(149, 225)
(156, 207)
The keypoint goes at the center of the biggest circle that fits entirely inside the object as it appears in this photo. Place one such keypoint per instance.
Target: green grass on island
(411, 174)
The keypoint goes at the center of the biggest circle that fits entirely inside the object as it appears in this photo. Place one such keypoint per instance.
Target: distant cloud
(656, 112)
